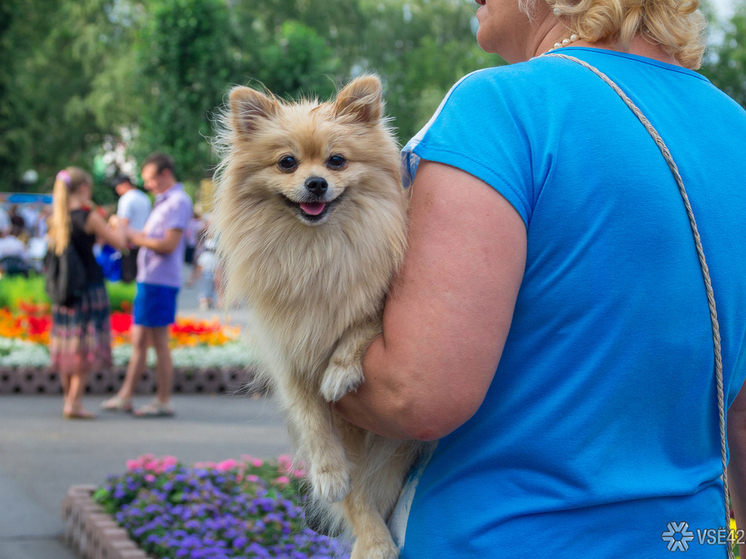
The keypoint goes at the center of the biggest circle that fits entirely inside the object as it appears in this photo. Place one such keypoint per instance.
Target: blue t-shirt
(600, 428)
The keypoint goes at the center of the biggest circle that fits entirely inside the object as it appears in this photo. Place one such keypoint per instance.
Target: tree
(161, 68)
(48, 119)
(185, 58)
(725, 66)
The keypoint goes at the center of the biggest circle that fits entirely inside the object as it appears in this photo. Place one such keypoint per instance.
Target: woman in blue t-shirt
(550, 326)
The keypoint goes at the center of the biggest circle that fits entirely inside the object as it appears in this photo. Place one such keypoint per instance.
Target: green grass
(120, 293)
(17, 289)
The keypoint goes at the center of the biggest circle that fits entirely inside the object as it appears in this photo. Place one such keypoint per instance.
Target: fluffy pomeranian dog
(311, 218)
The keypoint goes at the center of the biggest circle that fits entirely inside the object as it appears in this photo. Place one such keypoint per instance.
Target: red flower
(121, 322)
(38, 325)
(194, 327)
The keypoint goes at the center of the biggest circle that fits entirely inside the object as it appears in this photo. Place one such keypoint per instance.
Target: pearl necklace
(565, 42)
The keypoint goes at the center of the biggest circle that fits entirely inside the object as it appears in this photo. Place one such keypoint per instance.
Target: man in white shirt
(133, 210)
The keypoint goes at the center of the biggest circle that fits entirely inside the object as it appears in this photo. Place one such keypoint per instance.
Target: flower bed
(33, 324)
(208, 356)
(247, 508)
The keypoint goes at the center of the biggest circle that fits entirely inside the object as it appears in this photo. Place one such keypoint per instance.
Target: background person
(18, 223)
(160, 267)
(10, 245)
(5, 223)
(205, 267)
(549, 326)
(80, 340)
(191, 236)
(133, 209)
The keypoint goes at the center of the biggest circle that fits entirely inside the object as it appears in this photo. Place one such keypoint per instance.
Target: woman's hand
(114, 236)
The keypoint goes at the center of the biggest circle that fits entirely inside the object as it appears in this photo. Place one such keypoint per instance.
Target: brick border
(209, 380)
(91, 532)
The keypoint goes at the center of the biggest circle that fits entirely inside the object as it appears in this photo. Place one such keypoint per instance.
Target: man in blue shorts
(159, 272)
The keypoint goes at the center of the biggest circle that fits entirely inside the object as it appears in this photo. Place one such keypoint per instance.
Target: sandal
(156, 408)
(115, 403)
(78, 414)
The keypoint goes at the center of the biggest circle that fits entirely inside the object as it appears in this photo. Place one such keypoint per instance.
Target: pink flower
(226, 465)
(257, 463)
(149, 478)
(299, 473)
(140, 461)
(284, 463)
(252, 478)
(282, 480)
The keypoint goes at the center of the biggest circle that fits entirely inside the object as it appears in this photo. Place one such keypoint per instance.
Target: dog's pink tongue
(314, 208)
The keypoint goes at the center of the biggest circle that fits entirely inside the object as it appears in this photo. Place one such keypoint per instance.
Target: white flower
(21, 353)
(231, 354)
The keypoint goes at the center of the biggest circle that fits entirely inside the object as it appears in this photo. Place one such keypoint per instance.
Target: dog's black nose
(316, 186)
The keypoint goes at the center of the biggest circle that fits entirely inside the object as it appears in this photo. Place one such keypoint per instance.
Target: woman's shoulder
(79, 216)
(533, 79)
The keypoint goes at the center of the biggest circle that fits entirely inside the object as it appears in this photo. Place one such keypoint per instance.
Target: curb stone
(44, 380)
(91, 532)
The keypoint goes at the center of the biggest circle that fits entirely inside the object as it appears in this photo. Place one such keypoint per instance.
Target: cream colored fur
(316, 284)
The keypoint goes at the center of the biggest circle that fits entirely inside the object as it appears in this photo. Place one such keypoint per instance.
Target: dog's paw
(378, 550)
(330, 484)
(339, 380)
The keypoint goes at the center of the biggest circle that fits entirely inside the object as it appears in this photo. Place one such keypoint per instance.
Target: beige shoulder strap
(702, 263)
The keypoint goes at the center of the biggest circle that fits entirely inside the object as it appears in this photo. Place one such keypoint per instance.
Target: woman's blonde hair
(676, 25)
(68, 181)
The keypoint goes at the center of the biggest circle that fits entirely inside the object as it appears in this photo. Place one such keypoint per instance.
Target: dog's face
(306, 159)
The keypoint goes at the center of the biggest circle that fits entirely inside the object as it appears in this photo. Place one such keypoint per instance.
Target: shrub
(17, 290)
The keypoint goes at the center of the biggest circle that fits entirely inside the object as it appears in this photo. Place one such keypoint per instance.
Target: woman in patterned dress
(81, 333)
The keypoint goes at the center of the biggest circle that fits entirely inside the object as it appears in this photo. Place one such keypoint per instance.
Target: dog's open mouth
(312, 211)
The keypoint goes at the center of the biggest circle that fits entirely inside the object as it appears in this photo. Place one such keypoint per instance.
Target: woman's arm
(449, 311)
(114, 236)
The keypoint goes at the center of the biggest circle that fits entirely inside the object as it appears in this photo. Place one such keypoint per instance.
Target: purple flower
(208, 513)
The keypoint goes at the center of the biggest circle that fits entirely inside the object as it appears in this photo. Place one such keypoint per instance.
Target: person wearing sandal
(81, 333)
(159, 273)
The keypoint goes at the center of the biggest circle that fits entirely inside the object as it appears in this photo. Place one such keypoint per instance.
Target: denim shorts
(154, 305)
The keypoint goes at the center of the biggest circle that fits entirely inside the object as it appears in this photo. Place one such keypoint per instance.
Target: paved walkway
(42, 455)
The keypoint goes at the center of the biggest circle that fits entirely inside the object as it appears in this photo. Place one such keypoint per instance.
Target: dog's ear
(248, 107)
(361, 99)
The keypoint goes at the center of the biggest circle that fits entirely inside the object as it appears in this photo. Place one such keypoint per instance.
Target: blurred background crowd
(23, 243)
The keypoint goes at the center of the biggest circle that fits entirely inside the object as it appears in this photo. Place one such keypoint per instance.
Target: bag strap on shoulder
(702, 263)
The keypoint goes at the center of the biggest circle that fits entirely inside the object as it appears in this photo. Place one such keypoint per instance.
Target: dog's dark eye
(336, 162)
(287, 163)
